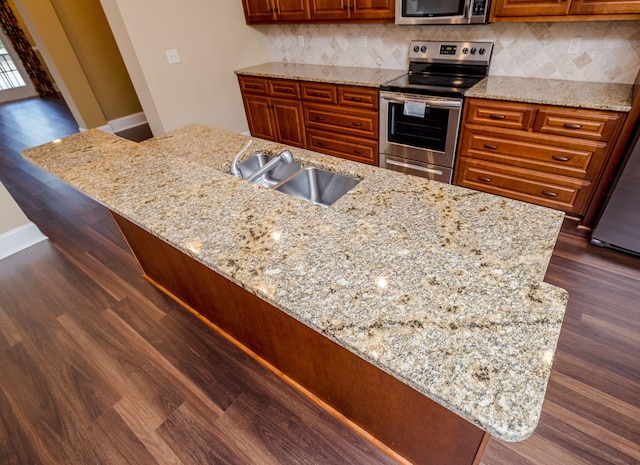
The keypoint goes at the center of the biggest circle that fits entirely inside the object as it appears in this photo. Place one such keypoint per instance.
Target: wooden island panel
(399, 419)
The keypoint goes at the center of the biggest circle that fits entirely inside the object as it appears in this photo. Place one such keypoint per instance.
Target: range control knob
(481, 51)
(416, 48)
(423, 49)
(473, 50)
(465, 50)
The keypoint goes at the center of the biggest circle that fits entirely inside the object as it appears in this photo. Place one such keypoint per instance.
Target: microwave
(441, 11)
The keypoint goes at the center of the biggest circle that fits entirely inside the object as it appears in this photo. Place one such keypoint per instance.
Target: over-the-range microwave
(441, 11)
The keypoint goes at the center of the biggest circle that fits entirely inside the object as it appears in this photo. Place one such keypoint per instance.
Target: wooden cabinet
(564, 10)
(344, 10)
(337, 120)
(298, 11)
(548, 155)
(271, 11)
(273, 109)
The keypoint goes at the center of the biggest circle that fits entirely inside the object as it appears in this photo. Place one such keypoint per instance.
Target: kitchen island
(414, 308)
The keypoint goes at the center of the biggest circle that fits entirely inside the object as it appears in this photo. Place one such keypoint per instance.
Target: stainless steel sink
(317, 186)
(272, 177)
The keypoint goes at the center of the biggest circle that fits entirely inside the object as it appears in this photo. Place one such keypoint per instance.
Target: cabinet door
(258, 11)
(604, 7)
(330, 9)
(260, 117)
(289, 122)
(531, 7)
(372, 9)
(292, 10)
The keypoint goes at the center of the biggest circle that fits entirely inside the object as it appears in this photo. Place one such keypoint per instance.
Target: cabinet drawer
(284, 89)
(355, 122)
(503, 114)
(351, 148)
(587, 124)
(551, 154)
(358, 97)
(319, 92)
(566, 194)
(253, 85)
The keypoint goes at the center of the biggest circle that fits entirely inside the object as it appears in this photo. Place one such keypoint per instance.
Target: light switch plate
(172, 56)
(574, 46)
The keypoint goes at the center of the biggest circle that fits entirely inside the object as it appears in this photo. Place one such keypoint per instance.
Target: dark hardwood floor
(98, 367)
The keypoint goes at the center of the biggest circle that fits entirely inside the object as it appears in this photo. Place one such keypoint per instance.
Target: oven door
(419, 128)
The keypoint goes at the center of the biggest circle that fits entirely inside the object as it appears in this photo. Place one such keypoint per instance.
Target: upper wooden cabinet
(564, 10)
(297, 11)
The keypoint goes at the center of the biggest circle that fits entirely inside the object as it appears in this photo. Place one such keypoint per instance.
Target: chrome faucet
(284, 157)
(234, 164)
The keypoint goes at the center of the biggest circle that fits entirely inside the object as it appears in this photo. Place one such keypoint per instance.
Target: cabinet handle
(356, 99)
(549, 193)
(344, 7)
(357, 124)
(270, 10)
(252, 86)
(317, 94)
(492, 147)
(559, 158)
(483, 179)
(275, 9)
(351, 6)
(492, 116)
(358, 152)
(322, 144)
(319, 118)
(572, 126)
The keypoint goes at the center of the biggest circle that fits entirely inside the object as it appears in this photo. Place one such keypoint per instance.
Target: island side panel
(403, 419)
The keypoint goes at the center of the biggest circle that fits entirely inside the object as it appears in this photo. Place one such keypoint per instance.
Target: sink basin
(272, 177)
(317, 186)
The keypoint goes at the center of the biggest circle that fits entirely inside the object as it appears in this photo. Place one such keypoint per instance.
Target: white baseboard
(19, 239)
(121, 124)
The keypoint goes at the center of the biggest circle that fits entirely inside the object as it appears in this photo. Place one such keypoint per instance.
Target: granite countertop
(437, 285)
(592, 95)
(353, 76)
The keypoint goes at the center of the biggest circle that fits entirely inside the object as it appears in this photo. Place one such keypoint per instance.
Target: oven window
(422, 8)
(428, 131)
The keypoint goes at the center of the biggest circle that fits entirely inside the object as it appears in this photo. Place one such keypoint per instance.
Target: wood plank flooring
(98, 367)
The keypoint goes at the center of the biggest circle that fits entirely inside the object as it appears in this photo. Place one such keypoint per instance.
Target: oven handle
(388, 161)
(427, 102)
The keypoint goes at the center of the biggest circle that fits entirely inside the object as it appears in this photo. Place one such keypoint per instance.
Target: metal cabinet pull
(492, 147)
(322, 144)
(357, 124)
(483, 179)
(351, 6)
(319, 118)
(572, 126)
(356, 99)
(549, 193)
(252, 86)
(317, 94)
(344, 7)
(492, 116)
(358, 152)
(559, 158)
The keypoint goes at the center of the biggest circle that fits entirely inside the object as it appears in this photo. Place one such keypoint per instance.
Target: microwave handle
(469, 7)
(427, 102)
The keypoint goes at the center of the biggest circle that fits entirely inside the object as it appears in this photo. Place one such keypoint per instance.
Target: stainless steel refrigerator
(618, 226)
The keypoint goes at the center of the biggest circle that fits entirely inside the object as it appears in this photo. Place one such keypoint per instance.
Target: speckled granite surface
(437, 285)
(593, 95)
(354, 76)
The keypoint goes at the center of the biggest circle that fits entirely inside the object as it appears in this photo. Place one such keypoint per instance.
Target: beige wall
(11, 217)
(77, 45)
(212, 40)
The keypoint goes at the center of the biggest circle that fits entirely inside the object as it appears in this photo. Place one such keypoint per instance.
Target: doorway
(14, 80)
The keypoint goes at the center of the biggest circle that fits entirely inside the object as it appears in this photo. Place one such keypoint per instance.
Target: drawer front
(319, 92)
(586, 124)
(502, 114)
(351, 148)
(253, 85)
(358, 97)
(355, 122)
(566, 194)
(284, 89)
(568, 157)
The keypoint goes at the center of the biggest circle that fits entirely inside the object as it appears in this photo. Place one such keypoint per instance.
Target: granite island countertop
(580, 94)
(437, 285)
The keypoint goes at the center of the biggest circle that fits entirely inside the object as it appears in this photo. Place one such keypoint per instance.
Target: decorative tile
(609, 50)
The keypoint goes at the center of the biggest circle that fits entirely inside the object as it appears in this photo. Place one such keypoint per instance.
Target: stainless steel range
(420, 112)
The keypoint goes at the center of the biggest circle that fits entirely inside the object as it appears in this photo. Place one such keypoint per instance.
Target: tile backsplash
(608, 51)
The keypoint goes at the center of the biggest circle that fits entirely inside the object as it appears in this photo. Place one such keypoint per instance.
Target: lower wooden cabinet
(338, 120)
(547, 155)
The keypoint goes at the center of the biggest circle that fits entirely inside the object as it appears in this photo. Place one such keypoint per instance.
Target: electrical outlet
(172, 56)
(574, 46)
(301, 41)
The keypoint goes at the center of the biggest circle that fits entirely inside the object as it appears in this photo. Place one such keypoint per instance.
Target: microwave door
(433, 11)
